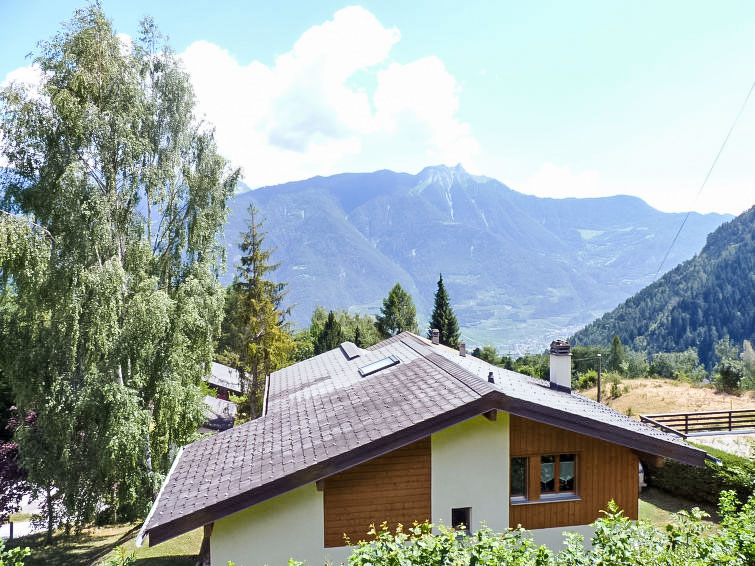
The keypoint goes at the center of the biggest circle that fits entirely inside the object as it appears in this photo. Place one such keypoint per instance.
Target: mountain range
(695, 304)
(520, 269)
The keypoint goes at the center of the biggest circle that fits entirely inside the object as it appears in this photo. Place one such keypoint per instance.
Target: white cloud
(304, 116)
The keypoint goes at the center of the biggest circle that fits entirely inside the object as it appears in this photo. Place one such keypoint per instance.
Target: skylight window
(375, 367)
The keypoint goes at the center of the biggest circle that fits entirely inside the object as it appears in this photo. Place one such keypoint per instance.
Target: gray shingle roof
(322, 417)
(219, 413)
(224, 376)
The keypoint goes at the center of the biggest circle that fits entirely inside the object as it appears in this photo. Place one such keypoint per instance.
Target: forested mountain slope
(519, 269)
(700, 301)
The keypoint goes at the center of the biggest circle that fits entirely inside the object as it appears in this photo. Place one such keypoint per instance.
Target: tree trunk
(50, 516)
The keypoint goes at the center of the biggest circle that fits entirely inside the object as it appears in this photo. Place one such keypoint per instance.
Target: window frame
(533, 493)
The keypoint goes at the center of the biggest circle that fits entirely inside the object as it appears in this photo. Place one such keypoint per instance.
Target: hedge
(705, 484)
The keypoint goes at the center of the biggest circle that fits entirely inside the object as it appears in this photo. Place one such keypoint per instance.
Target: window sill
(556, 498)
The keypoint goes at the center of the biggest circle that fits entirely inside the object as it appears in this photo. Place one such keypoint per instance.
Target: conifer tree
(617, 357)
(257, 337)
(443, 318)
(397, 314)
(331, 335)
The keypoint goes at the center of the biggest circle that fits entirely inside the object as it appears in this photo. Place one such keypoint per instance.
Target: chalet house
(407, 430)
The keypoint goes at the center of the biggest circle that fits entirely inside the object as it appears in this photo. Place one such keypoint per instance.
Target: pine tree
(443, 318)
(256, 338)
(358, 338)
(397, 314)
(331, 336)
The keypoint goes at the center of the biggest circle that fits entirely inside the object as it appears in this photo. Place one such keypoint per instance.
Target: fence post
(11, 531)
(686, 423)
(730, 428)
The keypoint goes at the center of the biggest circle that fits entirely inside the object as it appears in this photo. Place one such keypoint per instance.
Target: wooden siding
(394, 487)
(605, 471)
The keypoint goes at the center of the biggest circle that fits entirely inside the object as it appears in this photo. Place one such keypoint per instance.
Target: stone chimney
(462, 349)
(560, 363)
(436, 336)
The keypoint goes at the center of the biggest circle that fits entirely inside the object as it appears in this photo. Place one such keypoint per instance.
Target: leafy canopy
(109, 308)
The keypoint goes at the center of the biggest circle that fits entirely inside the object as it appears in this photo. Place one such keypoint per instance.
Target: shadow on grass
(83, 549)
(673, 504)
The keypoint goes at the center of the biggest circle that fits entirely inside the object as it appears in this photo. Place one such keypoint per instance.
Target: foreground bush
(617, 541)
(13, 556)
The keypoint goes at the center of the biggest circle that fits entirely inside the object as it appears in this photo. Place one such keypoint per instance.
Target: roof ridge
(459, 373)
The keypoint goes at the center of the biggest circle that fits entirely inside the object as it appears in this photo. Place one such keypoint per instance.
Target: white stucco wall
(470, 468)
(289, 526)
(554, 538)
(470, 463)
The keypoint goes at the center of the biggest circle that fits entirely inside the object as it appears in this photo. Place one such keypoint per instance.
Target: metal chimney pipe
(463, 349)
(436, 336)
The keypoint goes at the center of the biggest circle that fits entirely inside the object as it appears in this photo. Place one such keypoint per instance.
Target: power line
(700, 190)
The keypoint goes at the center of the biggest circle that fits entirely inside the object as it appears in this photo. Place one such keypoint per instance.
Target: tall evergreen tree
(331, 335)
(443, 318)
(617, 358)
(107, 332)
(256, 337)
(397, 314)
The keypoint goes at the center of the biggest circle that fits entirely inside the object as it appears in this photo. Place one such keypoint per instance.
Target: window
(519, 478)
(557, 478)
(374, 367)
(557, 474)
(460, 518)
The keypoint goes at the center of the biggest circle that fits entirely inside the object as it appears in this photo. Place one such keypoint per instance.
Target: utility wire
(700, 190)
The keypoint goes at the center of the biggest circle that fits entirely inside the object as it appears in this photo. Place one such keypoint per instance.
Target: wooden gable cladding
(394, 487)
(604, 471)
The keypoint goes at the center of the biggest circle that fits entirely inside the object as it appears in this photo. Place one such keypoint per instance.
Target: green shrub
(587, 379)
(617, 541)
(705, 483)
(12, 556)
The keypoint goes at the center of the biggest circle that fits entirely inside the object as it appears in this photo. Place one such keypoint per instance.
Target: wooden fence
(704, 422)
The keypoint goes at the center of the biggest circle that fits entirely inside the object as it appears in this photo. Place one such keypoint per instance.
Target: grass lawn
(657, 506)
(94, 545)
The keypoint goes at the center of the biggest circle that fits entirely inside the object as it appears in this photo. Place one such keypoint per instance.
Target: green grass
(95, 545)
(657, 506)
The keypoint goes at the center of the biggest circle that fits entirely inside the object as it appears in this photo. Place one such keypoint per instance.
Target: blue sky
(552, 98)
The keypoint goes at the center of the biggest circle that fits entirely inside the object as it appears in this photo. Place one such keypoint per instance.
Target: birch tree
(106, 338)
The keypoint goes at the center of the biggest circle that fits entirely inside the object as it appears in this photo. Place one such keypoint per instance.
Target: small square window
(461, 518)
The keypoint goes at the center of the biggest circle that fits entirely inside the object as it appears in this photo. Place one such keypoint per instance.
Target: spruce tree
(256, 336)
(617, 357)
(331, 336)
(397, 314)
(443, 318)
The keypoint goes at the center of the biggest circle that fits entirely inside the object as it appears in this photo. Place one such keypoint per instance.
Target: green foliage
(617, 541)
(121, 557)
(707, 482)
(678, 365)
(110, 302)
(13, 556)
(397, 314)
(616, 359)
(694, 304)
(490, 355)
(587, 379)
(355, 327)
(730, 375)
(255, 338)
(331, 335)
(443, 318)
